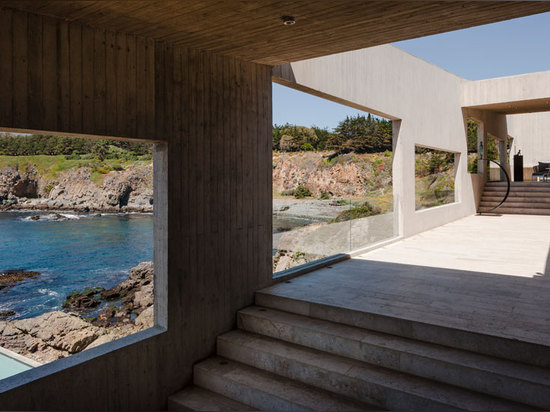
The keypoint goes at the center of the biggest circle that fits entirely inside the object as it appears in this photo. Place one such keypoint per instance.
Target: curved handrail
(507, 189)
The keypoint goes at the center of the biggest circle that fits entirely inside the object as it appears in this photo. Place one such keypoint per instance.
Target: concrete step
(520, 184)
(511, 203)
(195, 398)
(515, 198)
(351, 378)
(525, 189)
(497, 346)
(267, 391)
(516, 211)
(502, 378)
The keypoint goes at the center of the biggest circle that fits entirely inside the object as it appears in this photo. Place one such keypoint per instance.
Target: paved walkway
(516, 245)
(483, 274)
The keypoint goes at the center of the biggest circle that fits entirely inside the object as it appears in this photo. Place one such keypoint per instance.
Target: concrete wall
(387, 81)
(531, 133)
(212, 209)
(526, 99)
(518, 88)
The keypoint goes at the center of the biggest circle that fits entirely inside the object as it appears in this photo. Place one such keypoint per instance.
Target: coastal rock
(82, 300)
(128, 190)
(48, 337)
(9, 278)
(6, 314)
(16, 184)
(57, 334)
(60, 330)
(345, 175)
(146, 318)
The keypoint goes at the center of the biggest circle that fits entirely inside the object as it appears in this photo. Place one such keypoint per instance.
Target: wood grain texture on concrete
(480, 373)
(194, 398)
(385, 388)
(213, 221)
(483, 275)
(268, 391)
(254, 31)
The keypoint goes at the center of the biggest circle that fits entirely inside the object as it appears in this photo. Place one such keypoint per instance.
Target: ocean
(70, 255)
(83, 251)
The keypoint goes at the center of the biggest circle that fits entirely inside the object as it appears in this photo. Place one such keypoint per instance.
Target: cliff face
(130, 190)
(344, 175)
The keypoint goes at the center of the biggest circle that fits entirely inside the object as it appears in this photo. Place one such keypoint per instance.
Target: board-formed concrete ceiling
(253, 30)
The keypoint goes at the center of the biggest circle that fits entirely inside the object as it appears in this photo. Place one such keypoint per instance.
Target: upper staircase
(526, 198)
(282, 358)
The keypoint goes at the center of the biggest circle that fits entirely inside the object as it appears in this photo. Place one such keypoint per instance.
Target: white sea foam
(49, 292)
(52, 217)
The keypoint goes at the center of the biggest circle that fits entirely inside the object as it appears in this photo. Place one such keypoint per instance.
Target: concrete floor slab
(516, 245)
(482, 274)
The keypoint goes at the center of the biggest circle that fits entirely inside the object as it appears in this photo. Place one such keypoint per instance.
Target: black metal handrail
(509, 184)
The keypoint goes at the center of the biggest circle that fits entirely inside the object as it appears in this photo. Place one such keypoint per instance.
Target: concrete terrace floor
(484, 274)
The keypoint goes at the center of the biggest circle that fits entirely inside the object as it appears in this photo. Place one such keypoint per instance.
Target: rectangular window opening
(76, 245)
(434, 177)
(332, 185)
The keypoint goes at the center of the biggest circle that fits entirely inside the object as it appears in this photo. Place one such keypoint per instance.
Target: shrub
(307, 147)
(48, 188)
(357, 212)
(324, 195)
(301, 192)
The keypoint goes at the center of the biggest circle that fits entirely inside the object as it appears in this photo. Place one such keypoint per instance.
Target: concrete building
(195, 78)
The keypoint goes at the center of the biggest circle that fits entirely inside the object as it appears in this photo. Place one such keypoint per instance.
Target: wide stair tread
(352, 378)
(267, 391)
(516, 211)
(498, 377)
(511, 203)
(515, 189)
(525, 198)
(195, 398)
(516, 199)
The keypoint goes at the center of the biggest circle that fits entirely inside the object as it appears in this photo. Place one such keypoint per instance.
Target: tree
(278, 133)
(361, 134)
(323, 136)
(294, 137)
(101, 149)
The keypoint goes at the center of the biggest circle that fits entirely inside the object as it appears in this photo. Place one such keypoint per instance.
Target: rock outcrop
(9, 278)
(130, 190)
(342, 176)
(15, 184)
(58, 334)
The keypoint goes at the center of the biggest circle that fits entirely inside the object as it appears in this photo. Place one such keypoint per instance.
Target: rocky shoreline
(75, 190)
(126, 309)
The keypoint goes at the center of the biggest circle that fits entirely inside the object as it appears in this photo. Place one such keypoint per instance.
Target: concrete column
(481, 148)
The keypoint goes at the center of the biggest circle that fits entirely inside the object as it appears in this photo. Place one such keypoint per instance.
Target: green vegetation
(357, 134)
(50, 155)
(364, 209)
(50, 166)
(301, 192)
(492, 147)
(75, 148)
(434, 183)
(324, 195)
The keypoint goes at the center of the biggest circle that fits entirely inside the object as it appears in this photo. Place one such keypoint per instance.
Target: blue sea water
(80, 252)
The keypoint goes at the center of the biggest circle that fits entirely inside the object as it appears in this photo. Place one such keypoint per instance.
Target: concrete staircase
(280, 359)
(526, 198)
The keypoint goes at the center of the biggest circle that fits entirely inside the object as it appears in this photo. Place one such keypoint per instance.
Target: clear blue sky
(494, 50)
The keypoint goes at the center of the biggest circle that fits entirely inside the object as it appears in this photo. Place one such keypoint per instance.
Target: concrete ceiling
(517, 107)
(253, 30)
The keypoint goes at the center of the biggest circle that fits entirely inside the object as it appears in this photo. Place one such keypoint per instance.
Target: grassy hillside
(49, 167)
